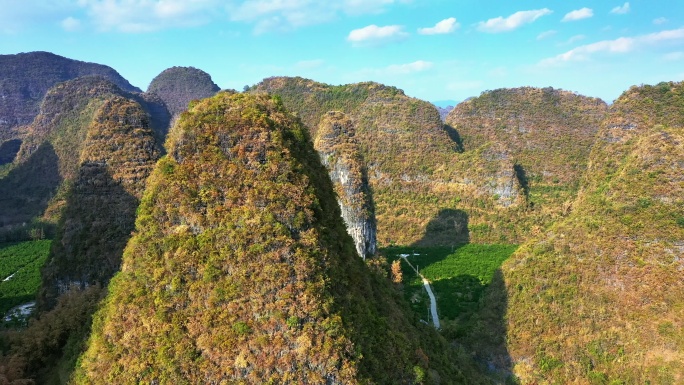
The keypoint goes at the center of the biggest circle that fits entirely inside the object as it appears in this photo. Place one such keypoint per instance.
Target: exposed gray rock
(339, 153)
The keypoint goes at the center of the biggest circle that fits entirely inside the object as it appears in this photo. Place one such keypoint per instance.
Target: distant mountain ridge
(444, 111)
(177, 86)
(26, 77)
(445, 103)
(544, 134)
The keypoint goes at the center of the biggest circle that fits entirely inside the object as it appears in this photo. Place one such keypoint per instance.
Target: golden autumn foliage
(241, 270)
(489, 162)
(119, 152)
(599, 297)
(83, 167)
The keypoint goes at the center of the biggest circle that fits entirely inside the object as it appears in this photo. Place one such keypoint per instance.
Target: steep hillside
(118, 154)
(546, 134)
(82, 169)
(48, 159)
(241, 270)
(339, 151)
(25, 78)
(50, 152)
(599, 298)
(178, 86)
(414, 166)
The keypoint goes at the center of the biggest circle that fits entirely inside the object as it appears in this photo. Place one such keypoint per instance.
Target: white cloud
(575, 39)
(445, 26)
(265, 15)
(279, 15)
(546, 34)
(620, 45)
(660, 21)
(621, 9)
(373, 34)
(16, 16)
(135, 16)
(405, 69)
(71, 24)
(579, 14)
(514, 21)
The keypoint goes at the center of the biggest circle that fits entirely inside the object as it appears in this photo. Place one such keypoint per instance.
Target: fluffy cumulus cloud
(373, 34)
(621, 9)
(660, 21)
(579, 14)
(445, 26)
(621, 45)
(512, 22)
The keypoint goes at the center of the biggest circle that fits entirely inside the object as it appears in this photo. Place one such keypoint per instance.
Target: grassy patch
(24, 260)
(459, 275)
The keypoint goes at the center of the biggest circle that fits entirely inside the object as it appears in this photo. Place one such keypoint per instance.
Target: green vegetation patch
(20, 265)
(458, 275)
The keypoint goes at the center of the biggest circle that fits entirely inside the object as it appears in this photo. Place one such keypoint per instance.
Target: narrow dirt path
(433, 303)
(426, 284)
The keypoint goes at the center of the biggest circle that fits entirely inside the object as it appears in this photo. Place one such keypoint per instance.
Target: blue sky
(432, 49)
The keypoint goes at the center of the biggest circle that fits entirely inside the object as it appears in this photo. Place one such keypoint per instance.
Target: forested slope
(25, 78)
(599, 297)
(241, 270)
(415, 168)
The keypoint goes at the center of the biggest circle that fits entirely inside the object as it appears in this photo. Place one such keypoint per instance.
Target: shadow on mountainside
(469, 286)
(96, 224)
(9, 150)
(95, 227)
(449, 227)
(455, 136)
(26, 191)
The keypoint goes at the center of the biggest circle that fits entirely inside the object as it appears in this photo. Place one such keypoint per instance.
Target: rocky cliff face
(336, 144)
(26, 78)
